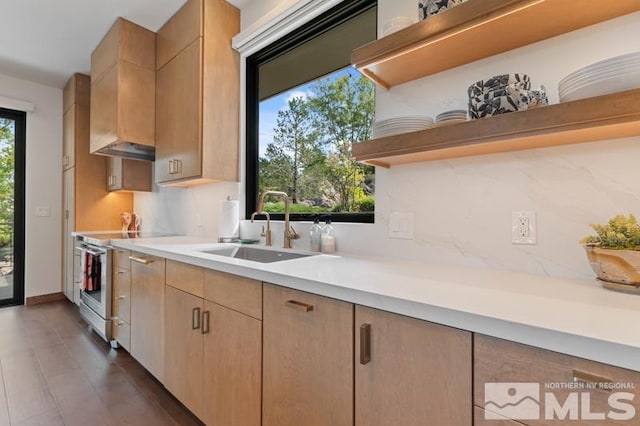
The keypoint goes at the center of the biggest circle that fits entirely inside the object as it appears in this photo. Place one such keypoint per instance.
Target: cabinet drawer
(121, 283)
(121, 308)
(121, 259)
(185, 277)
(121, 331)
(234, 292)
(503, 362)
(479, 420)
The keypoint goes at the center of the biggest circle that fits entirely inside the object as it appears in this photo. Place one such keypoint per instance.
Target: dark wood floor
(53, 371)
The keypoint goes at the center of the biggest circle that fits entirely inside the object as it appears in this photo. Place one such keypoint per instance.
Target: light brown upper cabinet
(75, 101)
(123, 92)
(125, 174)
(197, 95)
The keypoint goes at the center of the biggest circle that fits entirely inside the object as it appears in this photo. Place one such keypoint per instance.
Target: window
(12, 199)
(306, 106)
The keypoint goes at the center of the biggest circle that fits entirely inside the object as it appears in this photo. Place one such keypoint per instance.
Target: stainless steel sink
(257, 254)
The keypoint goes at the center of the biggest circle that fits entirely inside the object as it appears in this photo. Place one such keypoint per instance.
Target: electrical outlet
(523, 227)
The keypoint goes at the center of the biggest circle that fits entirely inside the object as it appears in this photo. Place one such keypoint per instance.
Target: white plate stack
(609, 76)
(404, 124)
(396, 24)
(451, 117)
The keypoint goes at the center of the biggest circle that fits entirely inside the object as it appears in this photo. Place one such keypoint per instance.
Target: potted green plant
(614, 253)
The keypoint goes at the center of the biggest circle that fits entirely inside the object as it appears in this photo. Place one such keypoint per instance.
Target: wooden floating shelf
(475, 30)
(612, 116)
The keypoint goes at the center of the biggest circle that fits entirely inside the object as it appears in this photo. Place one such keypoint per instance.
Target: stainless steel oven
(95, 286)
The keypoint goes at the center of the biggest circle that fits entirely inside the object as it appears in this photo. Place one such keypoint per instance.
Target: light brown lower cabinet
(479, 419)
(212, 353)
(411, 372)
(184, 349)
(232, 367)
(147, 312)
(529, 384)
(307, 359)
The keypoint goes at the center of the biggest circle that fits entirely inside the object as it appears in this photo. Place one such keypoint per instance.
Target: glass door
(12, 171)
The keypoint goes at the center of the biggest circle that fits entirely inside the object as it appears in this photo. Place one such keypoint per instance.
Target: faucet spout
(266, 233)
(289, 232)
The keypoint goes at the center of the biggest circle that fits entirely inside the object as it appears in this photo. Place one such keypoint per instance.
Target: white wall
(463, 206)
(43, 183)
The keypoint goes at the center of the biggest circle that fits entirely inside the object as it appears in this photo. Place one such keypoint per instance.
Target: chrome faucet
(289, 232)
(266, 233)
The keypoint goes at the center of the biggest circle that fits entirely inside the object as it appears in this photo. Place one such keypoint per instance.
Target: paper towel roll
(229, 219)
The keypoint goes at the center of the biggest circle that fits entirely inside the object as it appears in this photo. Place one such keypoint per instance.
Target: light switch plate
(401, 225)
(43, 211)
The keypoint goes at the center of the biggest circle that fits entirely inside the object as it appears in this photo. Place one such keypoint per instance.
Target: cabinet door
(232, 367)
(179, 116)
(147, 312)
(68, 138)
(515, 371)
(114, 173)
(68, 253)
(104, 110)
(128, 174)
(408, 371)
(307, 359)
(184, 350)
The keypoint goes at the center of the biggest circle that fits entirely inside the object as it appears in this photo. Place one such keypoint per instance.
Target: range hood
(136, 151)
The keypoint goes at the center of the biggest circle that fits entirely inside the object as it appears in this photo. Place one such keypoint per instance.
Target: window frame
(20, 155)
(325, 22)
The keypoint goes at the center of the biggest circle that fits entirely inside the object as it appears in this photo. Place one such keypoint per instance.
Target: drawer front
(121, 259)
(121, 331)
(512, 371)
(234, 292)
(121, 308)
(185, 277)
(494, 420)
(121, 283)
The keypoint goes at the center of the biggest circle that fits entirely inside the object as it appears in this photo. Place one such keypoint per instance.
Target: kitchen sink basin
(257, 254)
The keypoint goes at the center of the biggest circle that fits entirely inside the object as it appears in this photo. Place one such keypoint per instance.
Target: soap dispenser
(315, 233)
(328, 237)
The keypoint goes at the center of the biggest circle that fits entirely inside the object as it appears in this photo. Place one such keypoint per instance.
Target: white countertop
(572, 316)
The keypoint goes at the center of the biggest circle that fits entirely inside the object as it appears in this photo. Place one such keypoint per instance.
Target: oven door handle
(94, 252)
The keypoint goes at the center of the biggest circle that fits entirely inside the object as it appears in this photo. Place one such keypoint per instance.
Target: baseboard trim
(45, 298)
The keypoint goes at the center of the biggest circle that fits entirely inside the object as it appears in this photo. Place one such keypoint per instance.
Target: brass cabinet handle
(598, 382)
(121, 297)
(299, 306)
(205, 322)
(119, 323)
(141, 260)
(195, 318)
(122, 272)
(365, 344)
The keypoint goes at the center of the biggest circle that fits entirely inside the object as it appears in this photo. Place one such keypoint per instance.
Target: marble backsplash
(462, 207)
